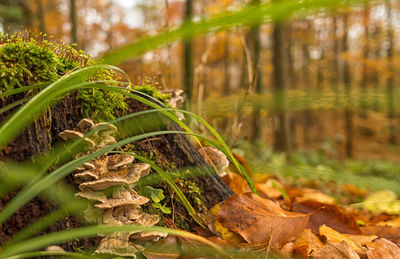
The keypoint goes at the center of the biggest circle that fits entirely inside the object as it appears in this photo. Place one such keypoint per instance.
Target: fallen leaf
(314, 195)
(220, 230)
(393, 234)
(257, 219)
(355, 241)
(340, 250)
(394, 223)
(270, 189)
(382, 201)
(307, 240)
(330, 215)
(382, 248)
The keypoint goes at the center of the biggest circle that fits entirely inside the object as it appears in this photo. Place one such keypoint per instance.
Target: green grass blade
(23, 89)
(185, 127)
(47, 253)
(14, 104)
(62, 236)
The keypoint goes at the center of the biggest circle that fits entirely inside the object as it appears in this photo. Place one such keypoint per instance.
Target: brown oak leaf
(257, 219)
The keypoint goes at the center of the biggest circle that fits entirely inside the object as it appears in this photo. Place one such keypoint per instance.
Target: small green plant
(162, 207)
(156, 195)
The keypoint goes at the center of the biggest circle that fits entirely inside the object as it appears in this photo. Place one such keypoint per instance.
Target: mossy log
(43, 134)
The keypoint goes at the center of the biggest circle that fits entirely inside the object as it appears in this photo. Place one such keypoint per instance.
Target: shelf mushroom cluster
(112, 174)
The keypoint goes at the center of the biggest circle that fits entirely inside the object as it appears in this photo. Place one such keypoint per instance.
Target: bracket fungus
(119, 172)
(217, 158)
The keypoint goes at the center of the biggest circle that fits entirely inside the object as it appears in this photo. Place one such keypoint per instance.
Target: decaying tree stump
(43, 134)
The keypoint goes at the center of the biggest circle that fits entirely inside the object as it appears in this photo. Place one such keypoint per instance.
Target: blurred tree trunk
(306, 83)
(365, 71)
(41, 16)
(254, 44)
(280, 88)
(348, 114)
(227, 85)
(377, 56)
(336, 73)
(390, 79)
(188, 70)
(320, 69)
(292, 80)
(74, 21)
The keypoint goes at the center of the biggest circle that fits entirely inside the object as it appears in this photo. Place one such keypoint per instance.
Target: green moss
(153, 91)
(193, 192)
(181, 223)
(27, 59)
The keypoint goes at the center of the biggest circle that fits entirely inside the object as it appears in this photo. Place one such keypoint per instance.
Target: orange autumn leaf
(256, 219)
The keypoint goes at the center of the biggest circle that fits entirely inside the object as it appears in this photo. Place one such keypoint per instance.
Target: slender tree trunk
(227, 83)
(188, 70)
(41, 16)
(390, 80)
(254, 44)
(280, 89)
(336, 73)
(377, 56)
(306, 84)
(320, 71)
(74, 22)
(347, 85)
(365, 71)
(292, 80)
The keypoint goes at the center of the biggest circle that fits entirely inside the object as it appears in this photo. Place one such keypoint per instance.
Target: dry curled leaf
(257, 219)
(382, 248)
(340, 250)
(307, 241)
(393, 234)
(355, 241)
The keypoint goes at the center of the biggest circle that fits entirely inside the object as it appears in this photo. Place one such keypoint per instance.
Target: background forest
(319, 87)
